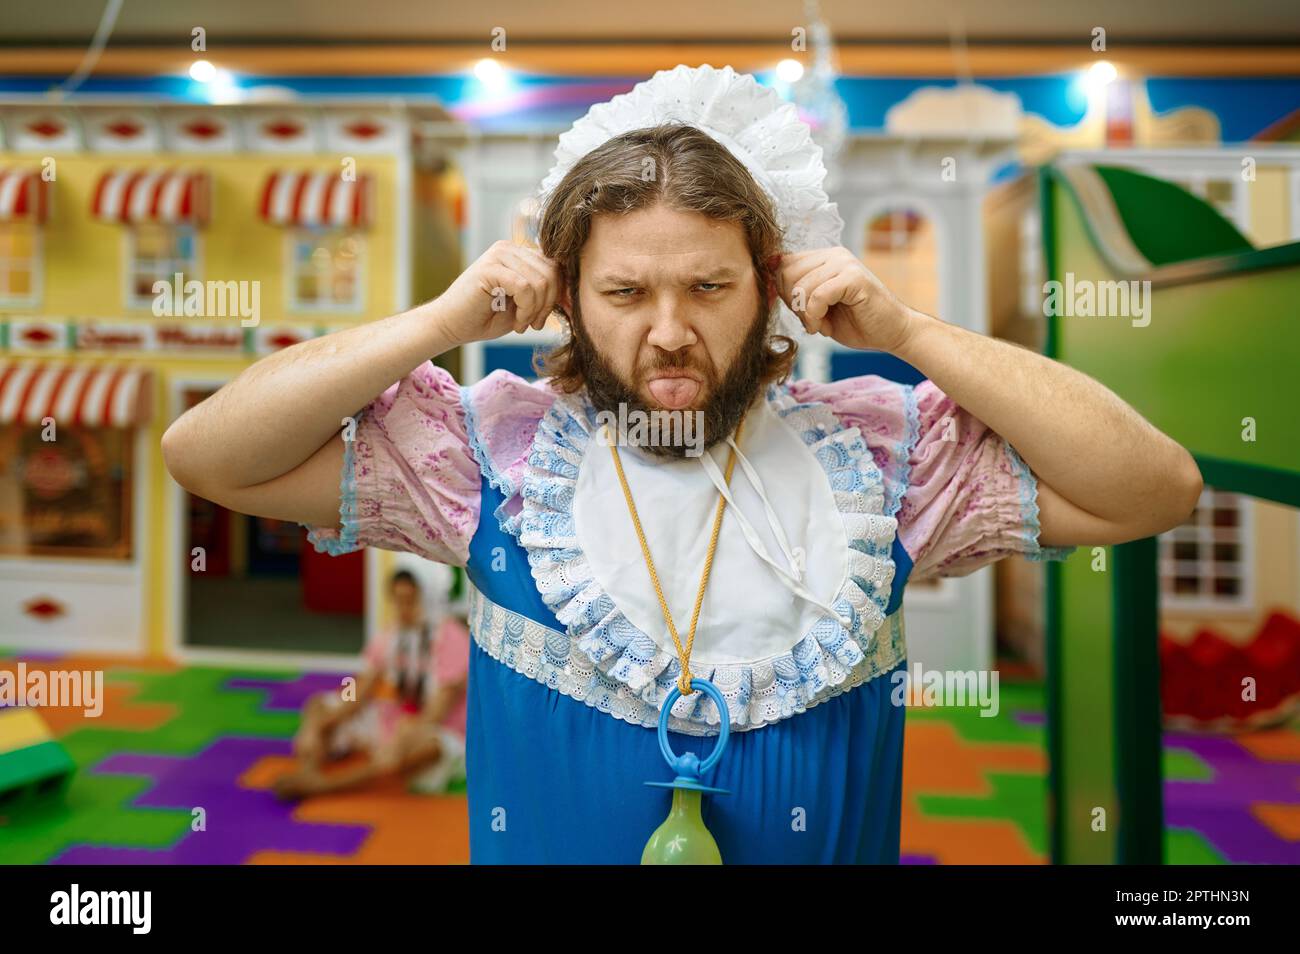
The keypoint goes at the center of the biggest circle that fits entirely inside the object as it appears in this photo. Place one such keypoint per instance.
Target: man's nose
(669, 329)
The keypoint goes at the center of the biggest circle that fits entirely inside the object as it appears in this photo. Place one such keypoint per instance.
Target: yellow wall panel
(86, 260)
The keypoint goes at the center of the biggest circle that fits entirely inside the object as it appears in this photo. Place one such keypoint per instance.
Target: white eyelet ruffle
(755, 125)
(763, 131)
(828, 660)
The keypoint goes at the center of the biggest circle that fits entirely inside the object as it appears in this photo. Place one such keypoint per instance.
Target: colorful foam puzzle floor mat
(174, 740)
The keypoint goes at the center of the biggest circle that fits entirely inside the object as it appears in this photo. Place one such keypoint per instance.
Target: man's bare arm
(1106, 475)
(269, 443)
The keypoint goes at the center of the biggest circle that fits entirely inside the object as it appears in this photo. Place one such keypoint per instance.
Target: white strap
(756, 544)
(793, 557)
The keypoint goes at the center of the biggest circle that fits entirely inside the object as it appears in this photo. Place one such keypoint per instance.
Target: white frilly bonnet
(759, 128)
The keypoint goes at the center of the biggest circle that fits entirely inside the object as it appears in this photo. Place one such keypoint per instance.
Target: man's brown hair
(687, 170)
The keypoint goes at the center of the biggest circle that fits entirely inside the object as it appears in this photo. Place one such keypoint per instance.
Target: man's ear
(565, 300)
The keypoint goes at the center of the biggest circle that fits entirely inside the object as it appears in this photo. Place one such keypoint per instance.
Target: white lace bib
(747, 614)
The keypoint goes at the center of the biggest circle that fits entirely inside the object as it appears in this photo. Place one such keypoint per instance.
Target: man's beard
(728, 399)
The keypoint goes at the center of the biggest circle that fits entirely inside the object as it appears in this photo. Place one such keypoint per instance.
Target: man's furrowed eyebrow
(722, 273)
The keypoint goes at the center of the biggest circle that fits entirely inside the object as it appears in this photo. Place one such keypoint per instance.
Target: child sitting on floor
(407, 711)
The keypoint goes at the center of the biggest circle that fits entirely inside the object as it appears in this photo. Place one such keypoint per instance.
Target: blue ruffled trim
(903, 452)
(486, 466)
(829, 656)
(853, 461)
(1029, 513)
(346, 542)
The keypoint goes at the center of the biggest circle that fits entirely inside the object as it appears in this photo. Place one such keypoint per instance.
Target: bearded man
(613, 580)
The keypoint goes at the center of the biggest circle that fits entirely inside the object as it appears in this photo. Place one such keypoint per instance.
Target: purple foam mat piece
(290, 694)
(1031, 718)
(240, 821)
(1236, 834)
(918, 860)
(1239, 775)
(1219, 809)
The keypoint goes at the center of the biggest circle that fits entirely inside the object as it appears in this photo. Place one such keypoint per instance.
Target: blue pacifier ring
(675, 761)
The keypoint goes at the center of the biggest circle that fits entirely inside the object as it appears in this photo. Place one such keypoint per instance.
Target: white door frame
(178, 589)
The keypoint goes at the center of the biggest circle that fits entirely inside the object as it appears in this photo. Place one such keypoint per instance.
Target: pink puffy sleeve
(970, 498)
(410, 481)
(962, 495)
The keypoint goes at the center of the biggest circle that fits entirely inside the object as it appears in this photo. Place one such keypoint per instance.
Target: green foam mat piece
(1013, 697)
(1184, 766)
(1018, 798)
(1186, 847)
(205, 710)
(91, 810)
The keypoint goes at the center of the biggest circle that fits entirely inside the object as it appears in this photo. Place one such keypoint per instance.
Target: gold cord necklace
(684, 655)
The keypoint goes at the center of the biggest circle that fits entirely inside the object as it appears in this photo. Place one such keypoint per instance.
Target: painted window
(20, 263)
(158, 252)
(1206, 561)
(325, 269)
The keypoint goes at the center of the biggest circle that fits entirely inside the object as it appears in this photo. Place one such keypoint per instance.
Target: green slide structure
(1209, 352)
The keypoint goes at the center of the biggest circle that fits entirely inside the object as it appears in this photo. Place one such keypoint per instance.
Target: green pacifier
(682, 839)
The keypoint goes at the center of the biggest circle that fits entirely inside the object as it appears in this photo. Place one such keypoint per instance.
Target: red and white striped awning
(85, 395)
(166, 197)
(318, 199)
(22, 196)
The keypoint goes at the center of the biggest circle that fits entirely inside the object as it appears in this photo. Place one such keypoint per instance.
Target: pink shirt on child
(449, 663)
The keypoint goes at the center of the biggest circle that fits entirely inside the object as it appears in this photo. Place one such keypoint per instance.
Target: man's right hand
(509, 288)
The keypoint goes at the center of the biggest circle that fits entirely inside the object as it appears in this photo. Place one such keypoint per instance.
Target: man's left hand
(834, 294)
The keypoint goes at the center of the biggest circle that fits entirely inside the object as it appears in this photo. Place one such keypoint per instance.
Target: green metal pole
(1056, 794)
(1139, 778)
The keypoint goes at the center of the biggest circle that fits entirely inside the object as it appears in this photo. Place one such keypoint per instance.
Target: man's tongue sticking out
(674, 393)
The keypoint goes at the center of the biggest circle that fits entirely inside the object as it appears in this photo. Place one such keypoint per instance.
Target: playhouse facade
(147, 255)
